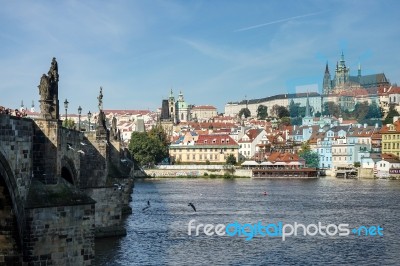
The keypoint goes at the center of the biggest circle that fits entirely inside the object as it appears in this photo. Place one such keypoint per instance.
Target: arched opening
(66, 174)
(9, 243)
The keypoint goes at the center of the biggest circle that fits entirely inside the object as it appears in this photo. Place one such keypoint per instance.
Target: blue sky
(213, 51)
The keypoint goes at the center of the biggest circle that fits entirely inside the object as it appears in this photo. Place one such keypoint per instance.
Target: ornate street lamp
(79, 117)
(66, 108)
(89, 115)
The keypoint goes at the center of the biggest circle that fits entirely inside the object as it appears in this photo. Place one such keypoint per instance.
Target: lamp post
(89, 115)
(79, 117)
(66, 108)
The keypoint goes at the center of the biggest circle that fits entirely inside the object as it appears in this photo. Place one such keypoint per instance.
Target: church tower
(327, 83)
(342, 73)
(308, 118)
(171, 105)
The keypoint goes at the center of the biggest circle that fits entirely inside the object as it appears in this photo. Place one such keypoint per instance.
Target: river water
(159, 234)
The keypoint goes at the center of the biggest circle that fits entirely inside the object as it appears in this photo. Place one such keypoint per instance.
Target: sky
(214, 52)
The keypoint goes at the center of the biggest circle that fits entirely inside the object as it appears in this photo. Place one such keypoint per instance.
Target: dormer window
(205, 141)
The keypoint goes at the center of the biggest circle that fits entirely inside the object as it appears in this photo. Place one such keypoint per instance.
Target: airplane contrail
(277, 21)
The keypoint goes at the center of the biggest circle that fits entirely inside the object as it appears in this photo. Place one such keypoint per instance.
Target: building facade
(207, 148)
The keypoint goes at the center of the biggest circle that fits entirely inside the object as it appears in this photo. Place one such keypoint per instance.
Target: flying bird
(83, 143)
(148, 206)
(81, 151)
(191, 205)
(70, 147)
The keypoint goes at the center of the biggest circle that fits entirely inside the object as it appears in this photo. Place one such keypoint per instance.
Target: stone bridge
(59, 188)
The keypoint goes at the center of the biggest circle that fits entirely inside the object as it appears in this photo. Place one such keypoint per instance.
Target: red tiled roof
(216, 140)
(283, 157)
(386, 90)
(385, 128)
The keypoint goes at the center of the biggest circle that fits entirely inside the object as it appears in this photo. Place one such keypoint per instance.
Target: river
(159, 234)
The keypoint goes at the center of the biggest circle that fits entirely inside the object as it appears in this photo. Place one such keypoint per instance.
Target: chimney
(395, 118)
(376, 125)
(365, 125)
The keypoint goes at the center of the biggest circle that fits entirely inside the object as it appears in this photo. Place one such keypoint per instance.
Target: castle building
(342, 80)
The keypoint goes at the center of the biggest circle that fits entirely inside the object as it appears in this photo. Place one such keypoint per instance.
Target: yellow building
(212, 148)
(391, 138)
(203, 112)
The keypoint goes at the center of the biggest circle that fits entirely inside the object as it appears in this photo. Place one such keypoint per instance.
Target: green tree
(311, 158)
(331, 109)
(373, 111)
(305, 146)
(392, 113)
(69, 123)
(149, 148)
(296, 110)
(282, 112)
(318, 114)
(293, 109)
(245, 112)
(262, 112)
(360, 111)
(231, 159)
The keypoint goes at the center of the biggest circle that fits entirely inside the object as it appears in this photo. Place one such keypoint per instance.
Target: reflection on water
(158, 235)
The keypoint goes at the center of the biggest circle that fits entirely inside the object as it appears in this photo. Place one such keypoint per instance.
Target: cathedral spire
(342, 62)
(326, 68)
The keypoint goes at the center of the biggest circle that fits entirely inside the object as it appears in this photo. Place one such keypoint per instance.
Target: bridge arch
(68, 170)
(11, 211)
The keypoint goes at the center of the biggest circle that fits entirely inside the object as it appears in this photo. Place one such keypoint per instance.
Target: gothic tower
(327, 83)
(342, 73)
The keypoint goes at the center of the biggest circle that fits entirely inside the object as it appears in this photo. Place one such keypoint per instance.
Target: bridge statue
(48, 90)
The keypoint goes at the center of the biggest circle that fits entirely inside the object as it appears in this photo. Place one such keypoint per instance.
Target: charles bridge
(59, 188)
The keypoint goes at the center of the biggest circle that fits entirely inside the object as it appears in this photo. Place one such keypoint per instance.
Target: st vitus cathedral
(342, 81)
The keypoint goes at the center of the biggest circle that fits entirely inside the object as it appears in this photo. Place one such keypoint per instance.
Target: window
(194, 157)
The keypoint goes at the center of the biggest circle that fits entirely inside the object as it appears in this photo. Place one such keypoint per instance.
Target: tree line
(363, 112)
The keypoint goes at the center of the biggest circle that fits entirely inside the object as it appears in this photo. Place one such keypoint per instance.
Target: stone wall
(108, 210)
(94, 168)
(60, 235)
(16, 163)
(46, 150)
(197, 172)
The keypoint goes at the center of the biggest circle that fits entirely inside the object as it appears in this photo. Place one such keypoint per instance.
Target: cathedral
(342, 80)
(175, 111)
